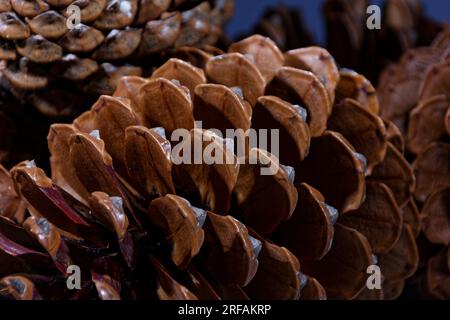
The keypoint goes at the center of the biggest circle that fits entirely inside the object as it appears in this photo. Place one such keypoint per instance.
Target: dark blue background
(247, 13)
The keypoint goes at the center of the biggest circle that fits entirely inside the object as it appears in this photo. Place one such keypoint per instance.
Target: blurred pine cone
(404, 25)
(57, 68)
(285, 26)
(340, 198)
(415, 94)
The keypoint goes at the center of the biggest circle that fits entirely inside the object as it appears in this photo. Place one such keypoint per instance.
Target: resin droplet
(362, 159)
(31, 164)
(238, 92)
(117, 202)
(257, 245)
(303, 280)
(290, 172)
(374, 259)
(95, 134)
(160, 131)
(201, 216)
(333, 213)
(302, 112)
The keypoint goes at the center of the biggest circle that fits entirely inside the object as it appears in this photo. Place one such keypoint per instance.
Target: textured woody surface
(405, 25)
(142, 225)
(414, 94)
(48, 59)
(51, 72)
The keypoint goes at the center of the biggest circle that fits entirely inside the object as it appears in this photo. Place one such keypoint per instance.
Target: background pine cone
(285, 26)
(415, 94)
(340, 198)
(404, 25)
(57, 68)
(63, 71)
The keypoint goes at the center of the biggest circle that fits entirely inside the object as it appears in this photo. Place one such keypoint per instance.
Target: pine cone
(415, 94)
(285, 26)
(140, 224)
(55, 67)
(404, 25)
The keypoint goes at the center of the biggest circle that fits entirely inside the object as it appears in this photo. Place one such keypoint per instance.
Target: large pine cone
(415, 94)
(339, 198)
(56, 68)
